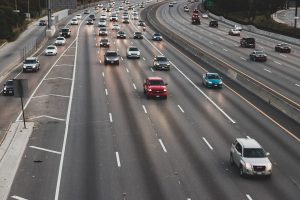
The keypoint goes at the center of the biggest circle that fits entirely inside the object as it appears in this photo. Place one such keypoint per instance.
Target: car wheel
(231, 159)
(241, 171)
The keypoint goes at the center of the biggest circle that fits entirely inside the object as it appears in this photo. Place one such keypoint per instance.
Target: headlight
(209, 82)
(269, 166)
(248, 166)
(165, 90)
(149, 90)
(221, 82)
(4, 89)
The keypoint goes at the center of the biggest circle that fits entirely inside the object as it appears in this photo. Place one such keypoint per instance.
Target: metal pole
(23, 113)
(296, 13)
(49, 15)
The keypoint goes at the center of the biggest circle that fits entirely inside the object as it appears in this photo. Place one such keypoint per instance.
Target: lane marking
(297, 85)
(121, 58)
(110, 117)
(225, 49)
(145, 110)
(189, 199)
(267, 70)
(47, 116)
(277, 62)
(248, 137)
(69, 55)
(152, 69)
(242, 58)
(18, 198)
(46, 79)
(118, 159)
(283, 55)
(43, 149)
(180, 108)
(207, 143)
(127, 69)
(162, 145)
(248, 197)
(103, 74)
(211, 42)
(47, 95)
(144, 58)
(98, 52)
(106, 92)
(134, 86)
(64, 65)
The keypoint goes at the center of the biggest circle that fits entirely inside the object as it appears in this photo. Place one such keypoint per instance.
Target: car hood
(162, 62)
(133, 52)
(112, 57)
(257, 161)
(215, 81)
(30, 65)
(157, 87)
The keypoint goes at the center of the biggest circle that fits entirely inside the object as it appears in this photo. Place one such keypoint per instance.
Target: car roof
(248, 143)
(154, 78)
(211, 73)
(31, 58)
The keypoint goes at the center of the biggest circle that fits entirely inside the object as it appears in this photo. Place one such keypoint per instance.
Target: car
(174, 2)
(247, 42)
(161, 62)
(103, 17)
(78, 16)
(114, 18)
(8, 88)
(283, 48)
(103, 31)
(42, 22)
(141, 23)
(213, 23)
(134, 17)
(121, 8)
(65, 32)
(238, 27)
(234, 32)
(74, 21)
(204, 15)
(111, 57)
(115, 27)
(60, 41)
(170, 4)
(249, 156)
(155, 87)
(121, 34)
(126, 21)
(134, 12)
(137, 35)
(92, 16)
(133, 52)
(142, 6)
(102, 23)
(125, 15)
(89, 22)
(86, 12)
(157, 37)
(186, 9)
(51, 50)
(258, 55)
(104, 42)
(212, 80)
(100, 5)
(31, 64)
(196, 11)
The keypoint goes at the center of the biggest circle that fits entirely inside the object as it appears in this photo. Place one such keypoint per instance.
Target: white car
(60, 41)
(74, 21)
(234, 32)
(134, 12)
(103, 17)
(51, 50)
(237, 27)
(78, 16)
(102, 23)
(134, 17)
(205, 15)
(133, 52)
(115, 27)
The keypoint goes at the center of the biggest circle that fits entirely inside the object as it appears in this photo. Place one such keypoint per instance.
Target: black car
(8, 88)
(104, 42)
(89, 22)
(247, 42)
(157, 37)
(65, 32)
(92, 16)
(283, 48)
(121, 35)
(42, 22)
(258, 56)
(111, 57)
(138, 35)
(141, 23)
(213, 23)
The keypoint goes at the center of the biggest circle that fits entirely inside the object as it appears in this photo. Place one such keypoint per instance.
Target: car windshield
(254, 153)
(28, 61)
(102, 29)
(156, 34)
(65, 30)
(104, 40)
(9, 83)
(259, 52)
(156, 82)
(138, 33)
(160, 58)
(60, 38)
(283, 45)
(111, 54)
(51, 47)
(133, 49)
(213, 76)
(120, 33)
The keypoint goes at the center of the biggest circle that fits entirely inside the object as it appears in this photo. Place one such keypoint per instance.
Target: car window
(9, 83)
(133, 49)
(51, 47)
(238, 147)
(254, 153)
(162, 59)
(111, 54)
(213, 76)
(156, 82)
(30, 61)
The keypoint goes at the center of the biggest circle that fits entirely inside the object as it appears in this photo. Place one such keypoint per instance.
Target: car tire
(231, 160)
(241, 171)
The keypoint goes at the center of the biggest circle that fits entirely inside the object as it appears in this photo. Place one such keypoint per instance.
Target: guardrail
(277, 100)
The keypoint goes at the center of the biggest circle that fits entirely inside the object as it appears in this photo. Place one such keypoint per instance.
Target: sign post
(20, 87)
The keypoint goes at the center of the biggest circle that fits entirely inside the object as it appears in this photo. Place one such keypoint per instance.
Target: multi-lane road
(97, 136)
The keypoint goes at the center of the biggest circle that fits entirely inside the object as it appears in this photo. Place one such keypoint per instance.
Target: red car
(155, 87)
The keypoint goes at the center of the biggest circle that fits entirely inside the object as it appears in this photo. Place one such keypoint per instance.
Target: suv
(65, 32)
(157, 37)
(250, 157)
(258, 56)
(155, 87)
(103, 31)
(247, 42)
(8, 88)
(31, 64)
(133, 52)
(161, 62)
(42, 22)
(213, 23)
(137, 35)
(121, 34)
(111, 57)
(104, 42)
(283, 48)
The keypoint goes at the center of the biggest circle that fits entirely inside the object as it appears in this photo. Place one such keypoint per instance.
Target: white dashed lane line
(298, 85)
(242, 58)
(249, 197)
(127, 70)
(283, 55)
(211, 43)
(277, 62)
(225, 49)
(134, 86)
(118, 159)
(180, 108)
(267, 70)
(144, 108)
(162, 145)
(152, 69)
(103, 74)
(106, 92)
(18, 198)
(110, 117)
(207, 143)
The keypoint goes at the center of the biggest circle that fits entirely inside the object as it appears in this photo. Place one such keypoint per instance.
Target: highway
(97, 136)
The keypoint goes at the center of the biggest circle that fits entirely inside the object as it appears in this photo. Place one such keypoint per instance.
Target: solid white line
(106, 92)
(127, 69)
(145, 110)
(248, 197)
(134, 86)
(297, 85)
(68, 55)
(268, 70)
(103, 74)
(187, 78)
(211, 148)
(180, 108)
(162, 145)
(43, 149)
(118, 159)
(47, 116)
(243, 58)
(46, 79)
(110, 117)
(277, 62)
(47, 95)
(67, 121)
(18, 198)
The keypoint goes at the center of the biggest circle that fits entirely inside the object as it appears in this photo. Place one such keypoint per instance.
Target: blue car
(212, 80)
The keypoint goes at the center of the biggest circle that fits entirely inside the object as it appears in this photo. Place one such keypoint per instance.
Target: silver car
(31, 64)
(250, 157)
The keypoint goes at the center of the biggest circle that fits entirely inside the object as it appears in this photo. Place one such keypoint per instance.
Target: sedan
(137, 35)
(103, 31)
(89, 22)
(111, 57)
(186, 9)
(283, 48)
(74, 21)
(157, 37)
(104, 42)
(115, 27)
(234, 32)
(212, 80)
(205, 15)
(60, 41)
(121, 35)
(133, 52)
(258, 56)
(51, 50)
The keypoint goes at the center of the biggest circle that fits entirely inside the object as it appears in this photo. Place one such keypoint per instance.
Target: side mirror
(267, 154)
